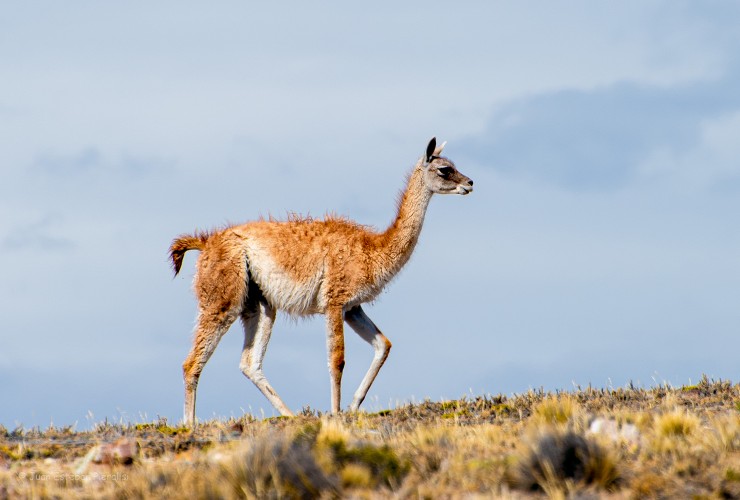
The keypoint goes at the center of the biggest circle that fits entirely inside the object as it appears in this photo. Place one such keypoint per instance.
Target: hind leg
(258, 318)
(210, 329)
(221, 286)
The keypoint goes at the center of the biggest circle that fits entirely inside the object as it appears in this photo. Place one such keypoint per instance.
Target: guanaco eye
(444, 171)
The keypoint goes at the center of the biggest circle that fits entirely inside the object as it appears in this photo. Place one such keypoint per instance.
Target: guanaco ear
(438, 149)
(430, 149)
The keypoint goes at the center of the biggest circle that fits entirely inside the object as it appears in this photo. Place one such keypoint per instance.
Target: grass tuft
(561, 461)
(338, 452)
(555, 410)
(677, 424)
(273, 467)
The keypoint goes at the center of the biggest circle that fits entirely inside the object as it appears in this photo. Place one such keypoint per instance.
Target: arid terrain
(661, 442)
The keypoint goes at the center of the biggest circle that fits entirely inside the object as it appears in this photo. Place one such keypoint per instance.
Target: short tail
(184, 243)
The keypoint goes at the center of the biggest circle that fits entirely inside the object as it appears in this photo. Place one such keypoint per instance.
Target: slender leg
(258, 320)
(335, 348)
(210, 329)
(365, 328)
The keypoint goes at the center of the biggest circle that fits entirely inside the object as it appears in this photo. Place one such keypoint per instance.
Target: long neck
(399, 240)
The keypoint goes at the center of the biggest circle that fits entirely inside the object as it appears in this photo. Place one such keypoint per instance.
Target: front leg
(365, 328)
(335, 348)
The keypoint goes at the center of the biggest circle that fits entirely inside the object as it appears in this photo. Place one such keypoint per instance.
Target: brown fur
(304, 266)
(184, 243)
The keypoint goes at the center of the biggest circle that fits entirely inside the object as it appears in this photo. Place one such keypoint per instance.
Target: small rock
(122, 451)
(611, 429)
(630, 433)
(605, 427)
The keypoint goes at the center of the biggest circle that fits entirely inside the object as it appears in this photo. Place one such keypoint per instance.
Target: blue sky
(600, 246)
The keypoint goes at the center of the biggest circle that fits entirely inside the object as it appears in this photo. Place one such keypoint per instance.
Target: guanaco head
(440, 174)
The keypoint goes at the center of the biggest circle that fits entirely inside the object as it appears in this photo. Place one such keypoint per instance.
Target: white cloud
(713, 163)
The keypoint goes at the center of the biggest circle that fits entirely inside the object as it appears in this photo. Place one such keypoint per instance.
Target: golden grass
(530, 445)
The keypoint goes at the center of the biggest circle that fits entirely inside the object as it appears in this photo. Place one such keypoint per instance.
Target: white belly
(297, 296)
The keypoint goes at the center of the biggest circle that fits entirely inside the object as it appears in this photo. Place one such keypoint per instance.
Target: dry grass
(683, 443)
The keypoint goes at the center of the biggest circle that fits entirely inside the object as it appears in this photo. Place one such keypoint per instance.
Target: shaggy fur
(304, 266)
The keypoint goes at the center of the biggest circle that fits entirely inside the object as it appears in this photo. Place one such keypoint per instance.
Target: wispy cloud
(599, 139)
(91, 160)
(78, 162)
(36, 236)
